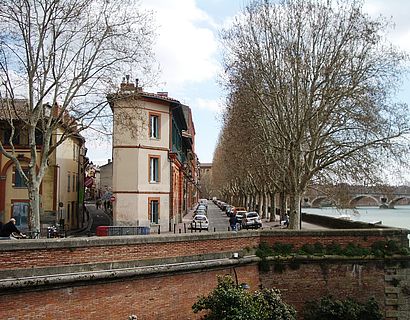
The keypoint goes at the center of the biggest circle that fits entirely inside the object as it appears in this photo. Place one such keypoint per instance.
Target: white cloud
(186, 47)
(398, 13)
(213, 105)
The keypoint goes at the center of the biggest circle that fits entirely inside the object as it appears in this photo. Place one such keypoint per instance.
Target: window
(153, 204)
(73, 210)
(68, 182)
(18, 180)
(20, 213)
(74, 190)
(154, 122)
(76, 152)
(68, 212)
(154, 169)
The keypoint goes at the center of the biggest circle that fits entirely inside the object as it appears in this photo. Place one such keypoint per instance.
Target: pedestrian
(232, 221)
(98, 204)
(9, 229)
(287, 221)
(105, 205)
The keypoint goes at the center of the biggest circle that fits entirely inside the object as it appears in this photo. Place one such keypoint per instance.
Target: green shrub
(378, 249)
(329, 308)
(282, 249)
(307, 249)
(354, 250)
(334, 249)
(319, 249)
(229, 301)
(264, 250)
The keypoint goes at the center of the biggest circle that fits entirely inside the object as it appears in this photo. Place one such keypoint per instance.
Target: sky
(188, 53)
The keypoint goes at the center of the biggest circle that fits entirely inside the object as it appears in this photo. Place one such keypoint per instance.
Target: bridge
(353, 196)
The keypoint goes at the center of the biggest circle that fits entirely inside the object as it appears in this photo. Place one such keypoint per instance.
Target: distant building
(92, 182)
(61, 189)
(106, 177)
(155, 168)
(205, 174)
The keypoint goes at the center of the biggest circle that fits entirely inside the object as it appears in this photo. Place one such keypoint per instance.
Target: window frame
(154, 134)
(16, 174)
(152, 178)
(151, 217)
(68, 182)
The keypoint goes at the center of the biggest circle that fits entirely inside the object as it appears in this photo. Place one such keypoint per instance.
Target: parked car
(203, 202)
(239, 215)
(251, 220)
(200, 212)
(200, 221)
(201, 207)
(229, 210)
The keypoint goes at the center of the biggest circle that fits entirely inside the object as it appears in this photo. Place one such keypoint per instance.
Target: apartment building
(61, 190)
(154, 165)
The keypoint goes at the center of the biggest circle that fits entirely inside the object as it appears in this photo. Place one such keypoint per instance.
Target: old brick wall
(60, 252)
(153, 298)
(29, 267)
(311, 280)
(387, 281)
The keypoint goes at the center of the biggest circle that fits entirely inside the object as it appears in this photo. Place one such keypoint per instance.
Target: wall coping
(69, 275)
(44, 244)
(65, 279)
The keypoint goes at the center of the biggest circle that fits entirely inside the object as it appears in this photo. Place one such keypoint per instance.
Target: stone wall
(161, 276)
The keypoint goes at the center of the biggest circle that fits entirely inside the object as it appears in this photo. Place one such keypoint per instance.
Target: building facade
(205, 180)
(154, 165)
(61, 190)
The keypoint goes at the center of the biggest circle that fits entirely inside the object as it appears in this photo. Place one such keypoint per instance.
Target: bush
(329, 308)
(264, 250)
(334, 249)
(229, 301)
(282, 249)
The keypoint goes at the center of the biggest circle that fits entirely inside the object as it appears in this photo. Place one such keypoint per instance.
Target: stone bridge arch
(355, 199)
(315, 203)
(394, 201)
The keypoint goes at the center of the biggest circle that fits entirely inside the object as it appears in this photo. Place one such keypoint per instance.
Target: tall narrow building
(155, 167)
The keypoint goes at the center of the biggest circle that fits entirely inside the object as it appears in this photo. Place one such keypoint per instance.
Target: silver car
(251, 220)
(200, 221)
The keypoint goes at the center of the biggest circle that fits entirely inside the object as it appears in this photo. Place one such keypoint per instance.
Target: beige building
(61, 190)
(154, 164)
(106, 177)
(205, 180)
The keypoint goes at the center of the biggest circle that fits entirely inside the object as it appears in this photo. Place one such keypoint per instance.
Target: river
(398, 217)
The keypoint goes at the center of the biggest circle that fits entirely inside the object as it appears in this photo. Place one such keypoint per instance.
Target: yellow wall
(65, 161)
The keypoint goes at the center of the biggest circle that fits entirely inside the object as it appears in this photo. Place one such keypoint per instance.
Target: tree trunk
(265, 206)
(34, 211)
(282, 200)
(272, 207)
(295, 222)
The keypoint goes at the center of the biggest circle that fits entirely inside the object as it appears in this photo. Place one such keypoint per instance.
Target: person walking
(232, 222)
(8, 229)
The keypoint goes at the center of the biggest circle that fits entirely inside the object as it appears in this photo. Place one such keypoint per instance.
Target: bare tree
(57, 62)
(318, 77)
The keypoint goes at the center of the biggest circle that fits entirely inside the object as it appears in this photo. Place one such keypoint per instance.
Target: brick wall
(168, 292)
(160, 298)
(312, 280)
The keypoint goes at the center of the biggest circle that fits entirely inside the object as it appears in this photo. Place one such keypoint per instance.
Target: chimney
(163, 94)
(126, 85)
(109, 160)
